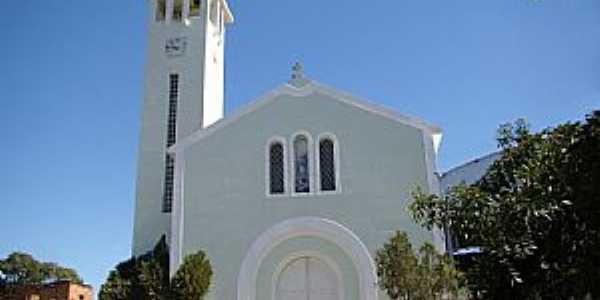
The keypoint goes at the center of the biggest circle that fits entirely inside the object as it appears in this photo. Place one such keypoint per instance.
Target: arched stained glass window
(276, 168)
(301, 165)
(177, 10)
(161, 10)
(327, 165)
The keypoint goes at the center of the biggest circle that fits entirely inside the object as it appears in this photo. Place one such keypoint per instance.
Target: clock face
(175, 46)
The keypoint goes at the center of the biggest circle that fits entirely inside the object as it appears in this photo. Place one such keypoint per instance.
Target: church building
(291, 196)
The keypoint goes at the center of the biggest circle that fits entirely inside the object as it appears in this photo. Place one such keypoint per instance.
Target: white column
(219, 10)
(186, 9)
(177, 215)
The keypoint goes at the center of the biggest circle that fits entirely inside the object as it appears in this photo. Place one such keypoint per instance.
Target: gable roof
(308, 87)
(485, 160)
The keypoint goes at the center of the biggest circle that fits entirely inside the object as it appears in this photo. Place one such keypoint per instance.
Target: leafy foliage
(144, 277)
(147, 277)
(404, 275)
(535, 213)
(192, 280)
(153, 272)
(116, 287)
(21, 268)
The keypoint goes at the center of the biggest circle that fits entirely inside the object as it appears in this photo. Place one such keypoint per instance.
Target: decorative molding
(376, 109)
(308, 226)
(229, 18)
(303, 91)
(200, 134)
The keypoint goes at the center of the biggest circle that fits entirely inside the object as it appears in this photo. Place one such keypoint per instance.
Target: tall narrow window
(161, 10)
(194, 8)
(276, 168)
(171, 139)
(178, 10)
(301, 165)
(327, 165)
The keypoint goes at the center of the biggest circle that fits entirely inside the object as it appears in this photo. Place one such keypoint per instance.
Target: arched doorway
(327, 230)
(308, 278)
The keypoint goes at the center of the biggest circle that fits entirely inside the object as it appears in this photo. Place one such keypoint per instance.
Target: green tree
(21, 268)
(54, 272)
(121, 282)
(535, 213)
(153, 272)
(405, 275)
(116, 287)
(192, 280)
(436, 276)
(147, 277)
(144, 277)
(396, 264)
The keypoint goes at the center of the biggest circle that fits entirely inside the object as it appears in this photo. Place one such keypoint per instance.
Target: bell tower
(183, 92)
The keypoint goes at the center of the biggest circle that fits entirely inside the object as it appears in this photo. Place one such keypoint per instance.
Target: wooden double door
(308, 278)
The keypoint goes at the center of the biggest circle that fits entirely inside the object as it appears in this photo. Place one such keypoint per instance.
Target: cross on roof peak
(298, 78)
(297, 71)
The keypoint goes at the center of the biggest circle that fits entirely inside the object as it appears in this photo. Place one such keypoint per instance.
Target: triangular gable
(306, 89)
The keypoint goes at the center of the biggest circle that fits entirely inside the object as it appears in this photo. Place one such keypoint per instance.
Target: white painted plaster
(434, 186)
(200, 103)
(177, 219)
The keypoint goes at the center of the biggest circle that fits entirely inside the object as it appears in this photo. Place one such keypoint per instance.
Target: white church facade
(291, 196)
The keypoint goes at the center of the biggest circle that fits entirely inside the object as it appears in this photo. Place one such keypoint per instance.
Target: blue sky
(72, 89)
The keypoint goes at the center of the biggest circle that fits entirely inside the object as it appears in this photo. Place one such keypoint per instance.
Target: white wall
(225, 203)
(200, 103)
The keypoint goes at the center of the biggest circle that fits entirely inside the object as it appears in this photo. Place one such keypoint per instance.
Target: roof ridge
(306, 89)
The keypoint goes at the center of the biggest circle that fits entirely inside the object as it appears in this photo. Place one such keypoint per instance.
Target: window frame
(311, 164)
(271, 142)
(174, 96)
(336, 163)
